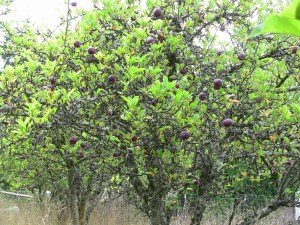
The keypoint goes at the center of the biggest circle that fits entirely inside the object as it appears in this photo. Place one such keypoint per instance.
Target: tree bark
(198, 211)
(206, 179)
(265, 212)
(82, 212)
(73, 198)
(157, 214)
(74, 208)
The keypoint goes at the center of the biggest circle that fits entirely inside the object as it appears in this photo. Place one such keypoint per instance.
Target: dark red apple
(154, 102)
(222, 28)
(111, 79)
(227, 122)
(219, 53)
(177, 85)
(196, 182)
(116, 154)
(294, 49)
(202, 96)
(182, 71)
(218, 83)
(83, 145)
(150, 40)
(52, 80)
(241, 56)
(73, 4)
(134, 138)
(72, 140)
(184, 135)
(157, 12)
(288, 163)
(77, 44)
(91, 50)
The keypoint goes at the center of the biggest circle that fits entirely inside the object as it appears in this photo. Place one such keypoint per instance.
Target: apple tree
(49, 140)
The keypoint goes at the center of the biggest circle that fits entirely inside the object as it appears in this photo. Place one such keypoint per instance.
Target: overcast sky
(43, 12)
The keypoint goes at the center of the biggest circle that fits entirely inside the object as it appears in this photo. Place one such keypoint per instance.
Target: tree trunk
(82, 212)
(206, 179)
(74, 207)
(199, 210)
(158, 214)
(158, 218)
(73, 197)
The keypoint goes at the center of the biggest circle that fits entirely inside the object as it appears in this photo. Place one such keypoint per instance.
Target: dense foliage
(152, 100)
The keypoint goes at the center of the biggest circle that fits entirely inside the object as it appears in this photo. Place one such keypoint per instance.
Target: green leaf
(288, 22)
(117, 67)
(295, 107)
(298, 11)
(252, 96)
(292, 11)
(260, 152)
(286, 113)
(257, 30)
(278, 24)
(194, 104)
(131, 102)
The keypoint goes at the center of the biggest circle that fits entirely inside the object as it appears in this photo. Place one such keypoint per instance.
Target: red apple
(134, 138)
(111, 79)
(241, 56)
(222, 28)
(227, 122)
(91, 50)
(72, 140)
(218, 83)
(184, 135)
(294, 49)
(150, 40)
(77, 44)
(83, 145)
(202, 96)
(157, 12)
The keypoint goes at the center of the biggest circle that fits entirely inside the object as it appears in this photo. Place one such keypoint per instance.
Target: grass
(118, 213)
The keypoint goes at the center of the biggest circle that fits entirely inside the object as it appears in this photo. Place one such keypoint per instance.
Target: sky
(43, 12)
